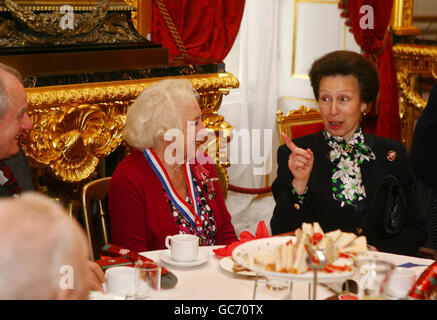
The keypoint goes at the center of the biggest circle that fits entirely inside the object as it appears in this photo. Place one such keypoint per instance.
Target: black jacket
(20, 167)
(320, 206)
(423, 152)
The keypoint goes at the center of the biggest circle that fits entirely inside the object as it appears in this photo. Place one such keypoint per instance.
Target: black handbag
(388, 205)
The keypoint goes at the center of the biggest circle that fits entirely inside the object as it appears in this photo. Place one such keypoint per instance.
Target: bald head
(39, 245)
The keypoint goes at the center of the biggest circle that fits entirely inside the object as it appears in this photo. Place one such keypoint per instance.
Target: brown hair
(346, 63)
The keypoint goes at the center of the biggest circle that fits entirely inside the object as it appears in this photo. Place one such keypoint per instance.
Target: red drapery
(374, 39)
(207, 28)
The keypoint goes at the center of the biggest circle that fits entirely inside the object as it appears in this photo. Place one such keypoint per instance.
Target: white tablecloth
(210, 282)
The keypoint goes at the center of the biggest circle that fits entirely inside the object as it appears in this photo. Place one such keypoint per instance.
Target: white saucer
(166, 257)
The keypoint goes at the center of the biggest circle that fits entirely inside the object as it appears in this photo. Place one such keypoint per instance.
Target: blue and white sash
(191, 212)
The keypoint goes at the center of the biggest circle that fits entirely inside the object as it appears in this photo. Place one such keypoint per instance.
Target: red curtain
(374, 39)
(207, 28)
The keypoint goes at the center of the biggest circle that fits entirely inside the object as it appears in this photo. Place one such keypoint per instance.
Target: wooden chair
(299, 122)
(94, 203)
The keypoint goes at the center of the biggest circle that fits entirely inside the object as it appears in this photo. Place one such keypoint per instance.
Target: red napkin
(116, 256)
(108, 262)
(125, 254)
(261, 232)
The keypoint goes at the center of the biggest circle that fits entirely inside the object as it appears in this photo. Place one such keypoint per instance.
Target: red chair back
(299, 122)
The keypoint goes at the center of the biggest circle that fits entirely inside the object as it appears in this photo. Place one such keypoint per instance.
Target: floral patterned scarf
(347, 157)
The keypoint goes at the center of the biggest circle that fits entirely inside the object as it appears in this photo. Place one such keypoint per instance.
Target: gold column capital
(402, 18)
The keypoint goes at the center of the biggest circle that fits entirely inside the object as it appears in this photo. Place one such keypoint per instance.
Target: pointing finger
(289, 143)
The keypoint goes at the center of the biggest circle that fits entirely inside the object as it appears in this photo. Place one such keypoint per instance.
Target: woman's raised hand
(300, 163)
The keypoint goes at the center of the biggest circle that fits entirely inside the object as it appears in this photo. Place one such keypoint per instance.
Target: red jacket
(139, 213)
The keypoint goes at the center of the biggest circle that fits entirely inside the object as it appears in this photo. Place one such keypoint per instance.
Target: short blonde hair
(156, 110)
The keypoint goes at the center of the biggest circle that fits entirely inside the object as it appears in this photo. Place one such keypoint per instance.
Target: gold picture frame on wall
(402, 18)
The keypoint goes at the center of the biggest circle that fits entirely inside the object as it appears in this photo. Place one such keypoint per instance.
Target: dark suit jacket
(320, 206)
(20, 167)
(423, 152)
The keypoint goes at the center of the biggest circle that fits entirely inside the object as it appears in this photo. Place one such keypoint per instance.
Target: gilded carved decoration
(49, 22)
(76, 125)
(134, 16)
(103, 22)
(412, 61)
(403, 18)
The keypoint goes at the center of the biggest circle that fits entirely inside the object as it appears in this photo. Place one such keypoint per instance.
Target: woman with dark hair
(344, 178)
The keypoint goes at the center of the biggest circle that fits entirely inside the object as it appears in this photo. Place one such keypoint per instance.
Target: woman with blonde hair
(162, 188)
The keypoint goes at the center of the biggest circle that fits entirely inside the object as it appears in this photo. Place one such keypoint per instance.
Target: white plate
(166, 257)
(245, 253)
(227, 263)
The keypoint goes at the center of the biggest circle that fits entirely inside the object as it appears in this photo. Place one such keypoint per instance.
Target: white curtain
(252, 108)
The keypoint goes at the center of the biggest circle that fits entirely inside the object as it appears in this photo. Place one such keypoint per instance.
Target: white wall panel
(316, 32)
(311, 29)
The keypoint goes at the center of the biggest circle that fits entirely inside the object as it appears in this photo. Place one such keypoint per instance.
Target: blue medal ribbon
(189, 212)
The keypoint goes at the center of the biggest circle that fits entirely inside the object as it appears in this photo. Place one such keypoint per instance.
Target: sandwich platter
(247, 253)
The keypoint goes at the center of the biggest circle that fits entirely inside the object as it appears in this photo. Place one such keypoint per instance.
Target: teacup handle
(167, 242)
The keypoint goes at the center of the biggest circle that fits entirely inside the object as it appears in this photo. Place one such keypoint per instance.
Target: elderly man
(43, 252)
(15, 174)
(14, 170)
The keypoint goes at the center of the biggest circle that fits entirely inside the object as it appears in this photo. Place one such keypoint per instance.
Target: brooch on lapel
(391, 155)
(202, 176)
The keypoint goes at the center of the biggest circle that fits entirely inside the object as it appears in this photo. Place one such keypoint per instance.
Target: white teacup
(401, 281)
(183, 247)
(120, 280)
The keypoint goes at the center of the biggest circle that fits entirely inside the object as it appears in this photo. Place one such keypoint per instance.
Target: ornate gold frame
(302, 115)
(402, 18)
(412, 61)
